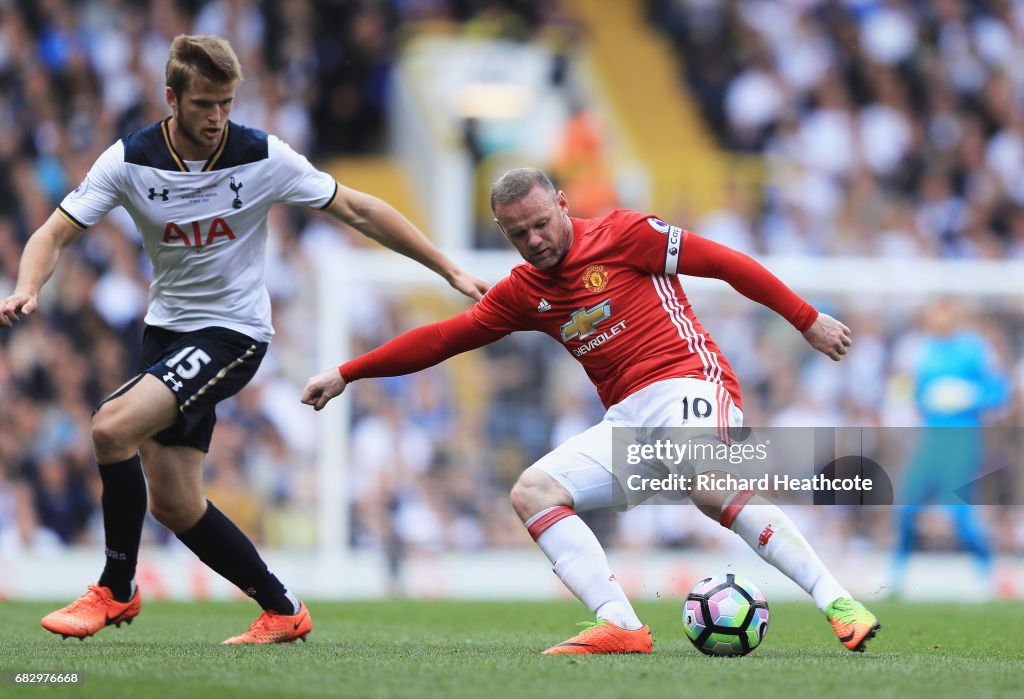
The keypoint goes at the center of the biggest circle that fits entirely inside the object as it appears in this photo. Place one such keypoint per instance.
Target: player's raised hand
(14, 304)
(829, 336)
(321, 388)
(471, 286)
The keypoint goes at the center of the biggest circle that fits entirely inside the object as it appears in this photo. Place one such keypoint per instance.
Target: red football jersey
(616, 304)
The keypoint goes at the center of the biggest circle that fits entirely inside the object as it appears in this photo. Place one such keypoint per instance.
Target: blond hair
(201, 56)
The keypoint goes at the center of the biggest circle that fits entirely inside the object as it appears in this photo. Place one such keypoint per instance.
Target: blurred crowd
(75, 75)
(890, 128)
(463, 458)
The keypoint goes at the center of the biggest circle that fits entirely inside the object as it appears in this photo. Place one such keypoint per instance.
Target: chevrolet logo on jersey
(584, 321)
(584, 324)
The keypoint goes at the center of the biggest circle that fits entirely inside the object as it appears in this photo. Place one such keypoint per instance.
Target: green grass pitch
(490, 650)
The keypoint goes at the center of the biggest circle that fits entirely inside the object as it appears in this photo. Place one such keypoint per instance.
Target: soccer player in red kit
(608, 290)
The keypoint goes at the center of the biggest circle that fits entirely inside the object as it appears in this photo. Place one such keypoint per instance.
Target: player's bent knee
(536, 491)
(177, 517)
(108, 438)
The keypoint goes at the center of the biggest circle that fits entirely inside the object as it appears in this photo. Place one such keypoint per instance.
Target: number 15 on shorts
(186, 364)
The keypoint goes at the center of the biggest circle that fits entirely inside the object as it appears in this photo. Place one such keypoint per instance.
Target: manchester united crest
(595, 278)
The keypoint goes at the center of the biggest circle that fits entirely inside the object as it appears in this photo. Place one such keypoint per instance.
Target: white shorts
(583, 463)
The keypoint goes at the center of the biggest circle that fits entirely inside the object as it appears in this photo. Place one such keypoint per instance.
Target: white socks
(772, 534)
(579, 561)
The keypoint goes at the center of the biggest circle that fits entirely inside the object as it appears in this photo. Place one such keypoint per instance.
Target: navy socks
(124, 509)
(227, 550)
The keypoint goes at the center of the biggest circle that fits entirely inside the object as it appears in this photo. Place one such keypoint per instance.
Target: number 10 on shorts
(699, 407)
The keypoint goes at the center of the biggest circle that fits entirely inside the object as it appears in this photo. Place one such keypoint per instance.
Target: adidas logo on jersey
(543, 305)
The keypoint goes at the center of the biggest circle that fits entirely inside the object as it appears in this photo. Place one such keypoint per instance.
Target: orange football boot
(91, 612)
(604, 637)
(271, 627)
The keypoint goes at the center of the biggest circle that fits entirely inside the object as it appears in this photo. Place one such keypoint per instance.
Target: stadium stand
(909, 145)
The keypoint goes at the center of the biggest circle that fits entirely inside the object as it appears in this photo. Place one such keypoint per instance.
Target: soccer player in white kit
(199, 188)
(608, 289)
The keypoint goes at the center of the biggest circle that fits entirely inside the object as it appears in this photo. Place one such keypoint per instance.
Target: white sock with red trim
(579, 561)
(774, 537)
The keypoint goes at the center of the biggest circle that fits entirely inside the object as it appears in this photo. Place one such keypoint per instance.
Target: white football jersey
(205, 231)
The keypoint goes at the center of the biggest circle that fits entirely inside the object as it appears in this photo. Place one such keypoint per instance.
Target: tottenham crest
(595, 278)
(236, 203)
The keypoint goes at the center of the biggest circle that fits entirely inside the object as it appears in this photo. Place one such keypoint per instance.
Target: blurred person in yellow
(199, 188)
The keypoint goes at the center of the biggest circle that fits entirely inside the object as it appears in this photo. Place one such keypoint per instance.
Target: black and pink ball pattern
(725, 615)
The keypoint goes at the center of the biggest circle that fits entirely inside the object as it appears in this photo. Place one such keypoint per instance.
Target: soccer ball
(725, 615)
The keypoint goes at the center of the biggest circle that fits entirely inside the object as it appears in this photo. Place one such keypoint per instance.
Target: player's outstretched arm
(376, 219)
(408, 353)
(38, 261)
(321, 388)
(705, 258)
(829, 336)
